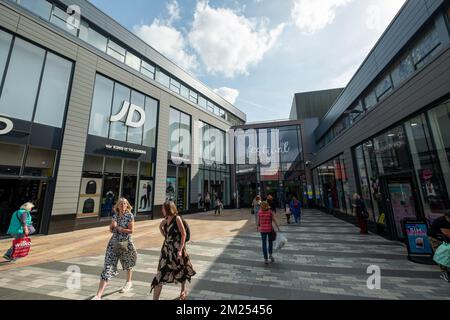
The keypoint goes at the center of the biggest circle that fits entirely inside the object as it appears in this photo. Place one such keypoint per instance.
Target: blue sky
(258, 53)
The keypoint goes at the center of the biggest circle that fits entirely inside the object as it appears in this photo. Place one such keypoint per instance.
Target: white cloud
(379, 15)
(174, 11)
(311, 16)
(228, 94)
(169, 41)
(228, 43)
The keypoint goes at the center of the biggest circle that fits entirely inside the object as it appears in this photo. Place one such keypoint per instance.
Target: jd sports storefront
(120, 153)
(32, 117)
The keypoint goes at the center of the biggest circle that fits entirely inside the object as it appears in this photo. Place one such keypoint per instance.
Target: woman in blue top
(296, 206)
(20, 226)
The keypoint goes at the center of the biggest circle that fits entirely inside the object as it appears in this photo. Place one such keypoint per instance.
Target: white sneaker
(96, 298)
(126, 287)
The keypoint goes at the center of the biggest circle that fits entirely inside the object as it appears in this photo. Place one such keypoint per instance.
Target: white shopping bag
(280, 242)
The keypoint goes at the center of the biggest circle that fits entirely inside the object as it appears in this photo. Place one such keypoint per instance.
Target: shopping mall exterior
(100, 114)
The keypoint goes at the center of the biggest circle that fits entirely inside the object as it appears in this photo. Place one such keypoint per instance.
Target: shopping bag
(280, 242)
(442, 255)
(21, 247)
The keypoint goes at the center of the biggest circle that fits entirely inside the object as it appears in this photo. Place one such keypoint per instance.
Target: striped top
(265, 221)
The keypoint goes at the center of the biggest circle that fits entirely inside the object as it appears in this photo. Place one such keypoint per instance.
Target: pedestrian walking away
(361, 213)
(218, 206)
(120, 247)
(21, 225)
(207, 202)
(256, 206)
(174, 262)
(295, 207)
(440, 233)
(266, 219)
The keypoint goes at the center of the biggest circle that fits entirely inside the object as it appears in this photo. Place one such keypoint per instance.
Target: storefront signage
(128, 109)
(125, 149)
(8, 126)
(416, 233)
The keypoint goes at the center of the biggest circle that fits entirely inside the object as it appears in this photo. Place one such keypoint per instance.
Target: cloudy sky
(258, 53)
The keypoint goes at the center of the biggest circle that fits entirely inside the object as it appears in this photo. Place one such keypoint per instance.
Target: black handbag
(273, 235)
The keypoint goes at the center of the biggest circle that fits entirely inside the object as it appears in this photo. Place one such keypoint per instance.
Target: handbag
(273, 235)
(122, 246)
(442, 255)
(21, 247)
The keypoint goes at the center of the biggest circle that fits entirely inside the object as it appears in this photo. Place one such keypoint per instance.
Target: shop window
(61, 19)
(373, 176)
(91, 187)
(25, 66)
(289, 145)
(427, 172)
(5, 44)
(39, 162)
(101, 107)
(135, 134)
(53, 93)
(146, 190)
(179, 133)
(402, 71)
(40, 7)
(439, 124)
(11, 159)
(92, 37)
(391, 151)
(111, 186)
(363, 180)
(148, 70)
(185, 135)
(116, 51)
(129, 187)
(151, 119)
(118, 129)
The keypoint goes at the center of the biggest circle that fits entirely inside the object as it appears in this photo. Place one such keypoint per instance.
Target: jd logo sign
(128, 109)
(6, 126)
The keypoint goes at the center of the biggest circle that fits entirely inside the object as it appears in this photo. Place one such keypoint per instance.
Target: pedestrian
(288, 212)
(218, 206)
(120, 247)
(265, 227)
(361, 213)
(174, 263)
(272, 203)
(207, 201)
(439, 233)
(21, 225)
(256, 206)
(295, 207)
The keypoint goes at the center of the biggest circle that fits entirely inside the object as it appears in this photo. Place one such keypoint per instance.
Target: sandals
(183, 295)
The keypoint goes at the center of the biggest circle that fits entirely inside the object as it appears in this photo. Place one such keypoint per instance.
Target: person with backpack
(20, 226)
(361, 213)
(265, 227)
(295, 207)
(174, 262)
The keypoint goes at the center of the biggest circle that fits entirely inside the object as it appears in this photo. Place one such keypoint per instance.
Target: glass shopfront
(404, 172)
(31, 120)
(120, 151)
(214, 174)
(179, 163)
(269, 161)
(331, 186)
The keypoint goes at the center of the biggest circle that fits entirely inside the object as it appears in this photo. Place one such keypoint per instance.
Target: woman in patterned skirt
(120, 247)
(174, 263)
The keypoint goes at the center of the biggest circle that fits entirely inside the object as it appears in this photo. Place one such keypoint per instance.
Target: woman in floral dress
(174, 263)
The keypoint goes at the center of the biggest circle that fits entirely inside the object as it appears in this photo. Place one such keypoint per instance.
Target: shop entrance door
(401, 202)
(14, 193)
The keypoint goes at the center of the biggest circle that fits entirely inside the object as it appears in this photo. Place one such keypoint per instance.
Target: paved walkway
(325, 258)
